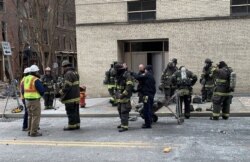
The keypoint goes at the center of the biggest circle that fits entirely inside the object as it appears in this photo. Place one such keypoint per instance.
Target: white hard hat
(34, 68)
(26, 70)
(183, 69)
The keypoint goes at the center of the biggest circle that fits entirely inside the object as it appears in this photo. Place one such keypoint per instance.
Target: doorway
(147, 52)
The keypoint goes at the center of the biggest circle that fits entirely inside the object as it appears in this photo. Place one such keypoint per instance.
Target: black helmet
(222, 64)
(208, 61)
(119, 66)
(174, 60)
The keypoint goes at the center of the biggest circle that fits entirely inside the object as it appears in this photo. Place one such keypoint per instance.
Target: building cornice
(166, 21)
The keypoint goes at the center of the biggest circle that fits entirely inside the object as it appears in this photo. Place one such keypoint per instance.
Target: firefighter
(48, 82)
(166, 84)
(148, 91)
(110, 81)
(207, 81)
(25, 116)
(222, 97)
(184, 80)
(33, 90)
(123, 95)
(70, 95)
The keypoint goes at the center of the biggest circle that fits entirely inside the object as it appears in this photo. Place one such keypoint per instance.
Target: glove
(118, 96)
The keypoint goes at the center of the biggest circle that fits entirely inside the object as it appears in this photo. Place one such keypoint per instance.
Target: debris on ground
(167, 149)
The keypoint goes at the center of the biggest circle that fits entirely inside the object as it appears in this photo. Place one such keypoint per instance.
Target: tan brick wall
(99, 11)
(82, 2)
(174, 9)
(190, 43)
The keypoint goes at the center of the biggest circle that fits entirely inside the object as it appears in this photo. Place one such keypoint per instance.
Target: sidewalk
(100, 107)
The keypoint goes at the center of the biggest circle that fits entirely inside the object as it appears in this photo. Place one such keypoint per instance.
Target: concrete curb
(196, 114)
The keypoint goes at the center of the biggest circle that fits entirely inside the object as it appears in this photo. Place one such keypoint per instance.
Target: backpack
(232, 80)
(107, 78)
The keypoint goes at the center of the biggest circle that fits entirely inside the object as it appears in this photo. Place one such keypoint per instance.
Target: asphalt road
(198, 139)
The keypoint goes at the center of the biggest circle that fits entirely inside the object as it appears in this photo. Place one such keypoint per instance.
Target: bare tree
(40, 19)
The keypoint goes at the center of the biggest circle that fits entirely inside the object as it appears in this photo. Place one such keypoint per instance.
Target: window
(45, 36)
(142, 10)
(64, 43)
(146, 46)
(3, 30)
(1, 5)
(240, 7)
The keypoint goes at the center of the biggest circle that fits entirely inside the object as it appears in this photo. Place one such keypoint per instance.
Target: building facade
(56, 35)
(155, 31)
(9, 32)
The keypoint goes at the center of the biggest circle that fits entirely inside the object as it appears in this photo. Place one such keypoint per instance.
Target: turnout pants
(187, 101)
(221, 103)
(72, 110)
(123, 110)
(207, 93)
(48, 99)
(34, 111)
(147, 109)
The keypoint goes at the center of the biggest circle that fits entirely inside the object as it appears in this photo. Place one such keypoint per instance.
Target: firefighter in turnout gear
(184, 80)
(111, 83)
(166, 84)
(207, 81)
(32, 91)
(123, 95)
(48, 82)
(222, 97)
(70, 95)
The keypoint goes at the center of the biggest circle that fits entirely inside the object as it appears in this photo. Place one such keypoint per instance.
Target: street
(198, 139)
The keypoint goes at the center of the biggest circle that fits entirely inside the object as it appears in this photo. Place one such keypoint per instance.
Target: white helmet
(26, 70)
(34, 68)
(47, 69)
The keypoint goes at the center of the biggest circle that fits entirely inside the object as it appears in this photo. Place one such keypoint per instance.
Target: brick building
(153, 32)
(9, 32)
(59, 33)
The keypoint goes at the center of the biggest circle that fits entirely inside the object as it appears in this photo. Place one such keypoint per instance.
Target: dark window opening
(134, 6)
(146, 46)
(1, 5)
(240, 7)
(238, 2)
(3, 30)
(45, 36)
(141, 10)
(149, 59)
